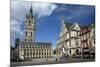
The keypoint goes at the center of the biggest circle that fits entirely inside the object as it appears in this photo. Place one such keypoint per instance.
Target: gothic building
(68, 40)
(29, 49)
(87, 38)
(29, 27)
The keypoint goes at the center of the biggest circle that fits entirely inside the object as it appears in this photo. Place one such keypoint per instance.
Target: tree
(11, 48)
(17, 42)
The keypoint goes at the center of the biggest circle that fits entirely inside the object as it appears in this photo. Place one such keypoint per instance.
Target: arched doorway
(70, 52)
(77, 52)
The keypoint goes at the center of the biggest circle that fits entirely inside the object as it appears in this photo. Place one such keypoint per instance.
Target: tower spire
(62, 20)
(31, 11)
(31, 7)
(29, 28)
(62, 23)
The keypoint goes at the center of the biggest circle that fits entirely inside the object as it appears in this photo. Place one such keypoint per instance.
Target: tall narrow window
(77, 43)
(26, 33)
(31, 33)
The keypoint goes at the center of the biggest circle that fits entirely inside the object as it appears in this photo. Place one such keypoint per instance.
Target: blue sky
(48, 18)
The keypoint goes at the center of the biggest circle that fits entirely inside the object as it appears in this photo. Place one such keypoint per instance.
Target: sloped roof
(85, 29)
(35, 43)
(68, 25)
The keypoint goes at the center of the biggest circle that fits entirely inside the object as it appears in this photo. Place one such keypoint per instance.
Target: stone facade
(29, 27)
(29, 49)
(69, 39)
(92, 36)
(85, 40)
(35, 50)
(87, 37)
(92, 50)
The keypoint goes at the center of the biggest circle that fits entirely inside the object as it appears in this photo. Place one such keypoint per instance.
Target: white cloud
(15, 31)
(43, 9)
(15, 27)
(19, 10)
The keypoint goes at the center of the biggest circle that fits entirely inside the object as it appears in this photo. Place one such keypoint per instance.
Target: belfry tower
(29, 26)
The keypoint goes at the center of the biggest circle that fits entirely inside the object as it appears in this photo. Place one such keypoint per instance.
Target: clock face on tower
(29, 22)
